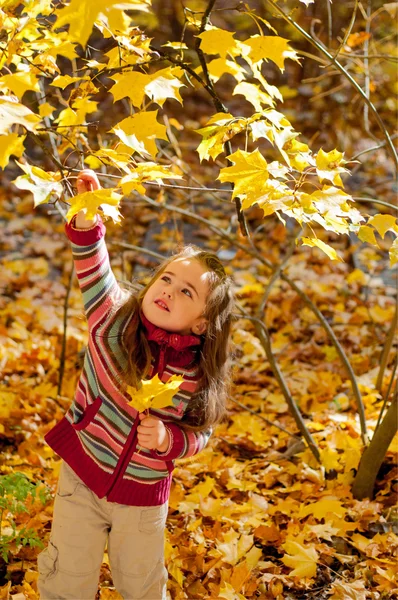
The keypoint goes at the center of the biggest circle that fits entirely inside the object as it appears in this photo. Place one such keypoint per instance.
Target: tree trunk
(374, 454)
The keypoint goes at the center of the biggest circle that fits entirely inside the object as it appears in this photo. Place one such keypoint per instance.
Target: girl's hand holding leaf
(87, 181)
(152, 434)
(90, 197)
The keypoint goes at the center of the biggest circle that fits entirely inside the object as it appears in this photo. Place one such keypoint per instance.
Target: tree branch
(346, 74)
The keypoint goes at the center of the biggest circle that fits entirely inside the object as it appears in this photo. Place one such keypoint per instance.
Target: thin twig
(375, 201)
(265, 340)
(372, 148)
(348, 30)
(261, 416)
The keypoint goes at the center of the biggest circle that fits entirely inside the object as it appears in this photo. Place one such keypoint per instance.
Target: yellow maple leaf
(302, 559)
(165, 84)
(328, 250)
(219, 129)
(81, 16)
(43, 7)
(45, 109)
(330, 459)
(248, 173)
(42, 184)
(62, 81)
(130, 85)
(148, 171)
(272, 47)
(254, 95)
(393, 252)
(12, 113)
(140, 131)
(11, 144)
(19, 83)
(76, 115)
(89, 202)
(8, 400)
(154, 393)
(382, 315)
(328, 166)
(367, 234)
(383, 223)
(62, 47)
(321, 508)
(219, 66)
(219, 41)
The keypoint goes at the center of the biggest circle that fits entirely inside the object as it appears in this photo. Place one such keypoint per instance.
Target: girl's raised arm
(98, 285)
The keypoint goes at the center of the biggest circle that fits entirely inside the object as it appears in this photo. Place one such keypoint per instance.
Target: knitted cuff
(72, 224)
(171, 440)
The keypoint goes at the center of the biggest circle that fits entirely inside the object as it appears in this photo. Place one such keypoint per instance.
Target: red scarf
(170, 347)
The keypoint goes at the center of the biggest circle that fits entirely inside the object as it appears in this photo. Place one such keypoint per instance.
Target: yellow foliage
(154, 393)
(11, 144)
(19, 83)
(302, 559)
(140, 131)
(248, 174)
(269, 47)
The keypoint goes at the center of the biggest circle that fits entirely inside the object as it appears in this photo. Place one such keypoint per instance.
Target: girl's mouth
(162, 305)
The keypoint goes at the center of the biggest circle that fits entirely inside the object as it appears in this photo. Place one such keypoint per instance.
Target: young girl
(110, 491)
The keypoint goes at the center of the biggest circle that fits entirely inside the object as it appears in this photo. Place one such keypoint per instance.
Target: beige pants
(69, 567)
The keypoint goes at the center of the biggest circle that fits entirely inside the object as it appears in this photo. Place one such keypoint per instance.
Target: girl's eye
(166, 278)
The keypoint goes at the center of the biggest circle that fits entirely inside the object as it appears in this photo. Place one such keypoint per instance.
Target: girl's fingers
(87, 181)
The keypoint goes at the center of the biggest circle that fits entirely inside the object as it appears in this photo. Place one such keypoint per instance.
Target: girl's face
(177, 299)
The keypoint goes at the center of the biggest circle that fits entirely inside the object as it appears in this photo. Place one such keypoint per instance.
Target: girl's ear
(200, 327)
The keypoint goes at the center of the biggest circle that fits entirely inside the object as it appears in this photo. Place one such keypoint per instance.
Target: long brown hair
(207, 407)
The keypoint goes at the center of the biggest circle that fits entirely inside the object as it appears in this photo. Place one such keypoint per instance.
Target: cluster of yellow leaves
(154, 393)
(32, 53)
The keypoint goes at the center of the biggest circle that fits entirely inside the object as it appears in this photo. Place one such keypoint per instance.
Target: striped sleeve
(183, 442)
(96, 279)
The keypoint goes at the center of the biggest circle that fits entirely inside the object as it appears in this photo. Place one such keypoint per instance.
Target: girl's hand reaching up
(87, 181)
(152, 434)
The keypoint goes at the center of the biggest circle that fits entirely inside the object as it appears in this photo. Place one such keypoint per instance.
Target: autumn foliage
(190, 115)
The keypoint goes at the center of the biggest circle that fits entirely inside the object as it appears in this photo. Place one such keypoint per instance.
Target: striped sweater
(97, 437)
